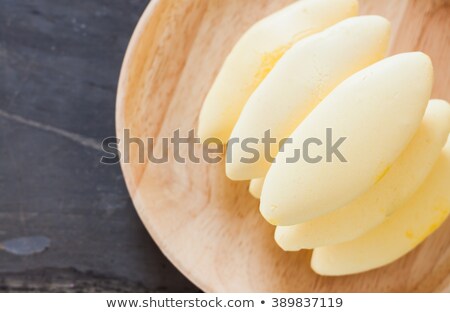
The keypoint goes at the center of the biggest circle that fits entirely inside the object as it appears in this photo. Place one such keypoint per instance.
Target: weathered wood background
(59, 66)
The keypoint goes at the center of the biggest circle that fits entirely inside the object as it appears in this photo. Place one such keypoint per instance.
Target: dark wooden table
(59, 66)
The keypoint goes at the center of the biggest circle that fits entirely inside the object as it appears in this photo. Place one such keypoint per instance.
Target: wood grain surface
(59, 66)
(207, 225)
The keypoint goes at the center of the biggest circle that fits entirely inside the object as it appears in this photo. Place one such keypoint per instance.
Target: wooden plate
(208, 226)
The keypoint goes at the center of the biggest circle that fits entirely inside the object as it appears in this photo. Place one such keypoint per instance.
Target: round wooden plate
(207, 225)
